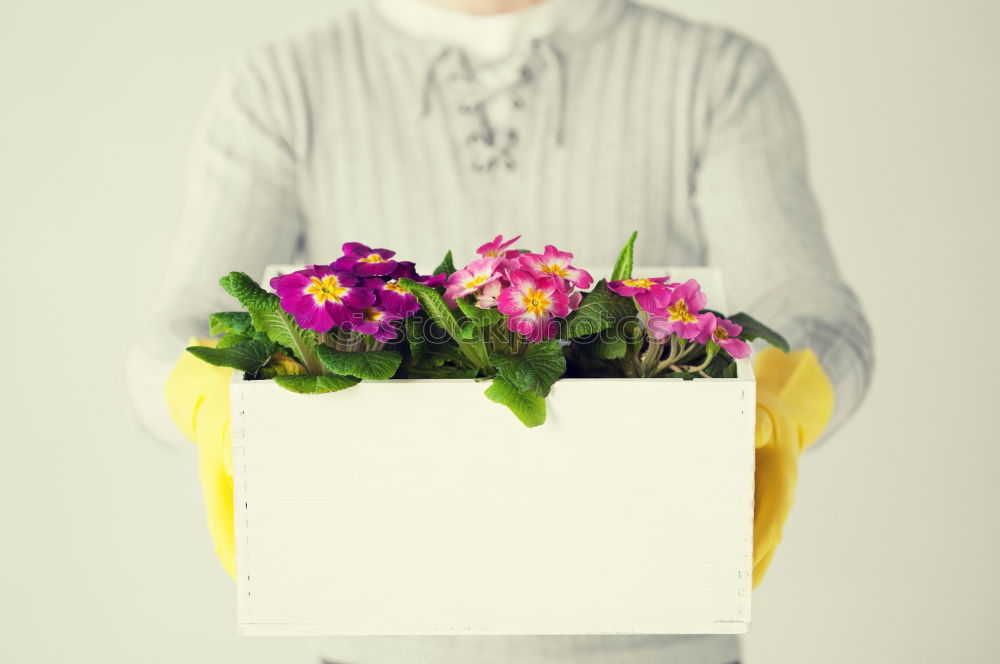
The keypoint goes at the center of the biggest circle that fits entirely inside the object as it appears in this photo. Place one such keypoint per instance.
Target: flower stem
(648, 361)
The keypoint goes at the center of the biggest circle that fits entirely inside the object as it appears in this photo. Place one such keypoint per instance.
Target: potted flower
(395, 500)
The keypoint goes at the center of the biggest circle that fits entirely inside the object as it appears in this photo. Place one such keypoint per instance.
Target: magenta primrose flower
(374, 321)
(681, 316)
(471, 278)
(556, 264)
(392, 298)
(651, 294)
(532, 305)
(320, 297)
(724, 332)
(364, 261)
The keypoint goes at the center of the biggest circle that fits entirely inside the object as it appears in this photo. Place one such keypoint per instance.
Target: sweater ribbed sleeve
(763, 227)
(241, 212)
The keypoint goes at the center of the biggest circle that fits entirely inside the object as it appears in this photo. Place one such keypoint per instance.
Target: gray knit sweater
(636, 120)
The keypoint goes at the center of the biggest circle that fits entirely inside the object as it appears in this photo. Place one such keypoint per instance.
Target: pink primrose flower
(681, 315)
(471, 278)
(651, 294)
(725, 333)
(556, 264)
(497, 248)
(532, 305)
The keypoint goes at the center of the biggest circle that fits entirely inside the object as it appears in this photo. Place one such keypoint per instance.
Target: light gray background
(890, 554)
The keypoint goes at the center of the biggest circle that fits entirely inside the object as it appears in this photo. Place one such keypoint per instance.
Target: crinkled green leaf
(754, 329)
(267, 317)
(367, 365)
(606, 345)
(433, 306)
(467, 330)
(415, 337)
(599, 310)
(623, 266)
(536, 369)
(233, 339)
(247, 357)
(447, 265)
(316, 384)
(479, 317)
(230, 322)
(282, 329)
(249, 293)
(718, 364)
(527, 406)
(444, 371)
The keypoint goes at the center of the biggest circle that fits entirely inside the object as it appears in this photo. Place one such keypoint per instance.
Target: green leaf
(599, 310)
(246, 290)
(267, 317)
(479, 317)
(718, 365)
(447, 265)
(623, 266)
(527, 406)
(282, 329)
(606, 345)
(680, 374)
(541, 365)
(467, 330)
(247, 357)
(419, 344)
(730, 371)
(233, 339)
(433, 305)
(230, 322)
(754, 329)
(367, 365)
(446, 371)
(316, 384)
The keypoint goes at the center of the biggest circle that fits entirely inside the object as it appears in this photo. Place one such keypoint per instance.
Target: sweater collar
(492, 41)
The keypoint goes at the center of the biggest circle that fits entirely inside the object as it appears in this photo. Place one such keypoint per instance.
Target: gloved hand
(197, 395)
(794, 405)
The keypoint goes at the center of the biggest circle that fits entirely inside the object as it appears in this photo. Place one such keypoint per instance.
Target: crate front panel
(419, 507)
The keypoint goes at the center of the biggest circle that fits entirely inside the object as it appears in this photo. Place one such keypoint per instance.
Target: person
(418, 123)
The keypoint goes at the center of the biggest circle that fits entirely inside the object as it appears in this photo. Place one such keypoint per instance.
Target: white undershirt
(495, 43)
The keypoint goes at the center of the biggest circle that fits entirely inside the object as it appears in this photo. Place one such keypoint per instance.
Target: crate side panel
(626, 512)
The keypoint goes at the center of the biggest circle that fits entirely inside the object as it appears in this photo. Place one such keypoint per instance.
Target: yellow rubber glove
(794, 405)
(197, 395)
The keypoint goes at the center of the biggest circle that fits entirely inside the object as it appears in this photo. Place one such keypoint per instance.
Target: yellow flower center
(536, 302)
(393, 286)
(555, 270)
(373, 315)
(639, 283)
(476, 282)
(679, 312)
(371, 258)
(720, 334)
(327, 288)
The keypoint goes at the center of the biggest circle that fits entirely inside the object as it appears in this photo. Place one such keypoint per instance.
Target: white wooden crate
(419, 507)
